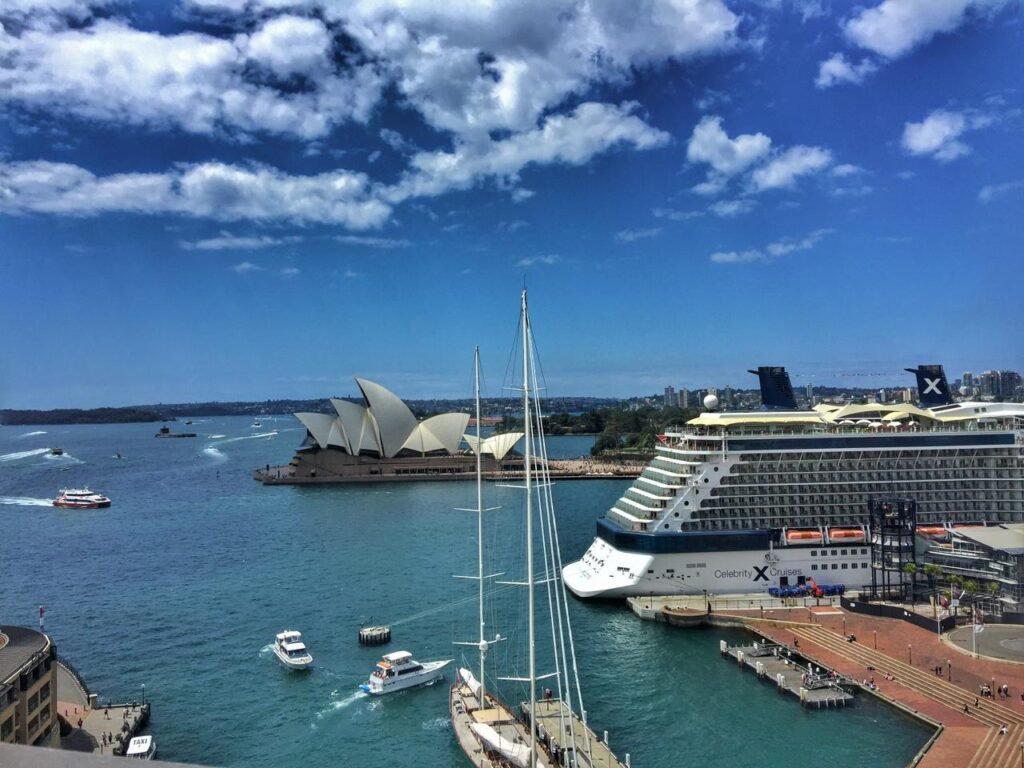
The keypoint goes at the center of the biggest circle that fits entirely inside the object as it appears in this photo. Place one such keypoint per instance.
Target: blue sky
(246, 199)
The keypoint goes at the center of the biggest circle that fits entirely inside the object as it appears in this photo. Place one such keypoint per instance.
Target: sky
(257, 199)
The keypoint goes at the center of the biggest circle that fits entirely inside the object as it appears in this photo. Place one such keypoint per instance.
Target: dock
(552, 714)
(813, 686)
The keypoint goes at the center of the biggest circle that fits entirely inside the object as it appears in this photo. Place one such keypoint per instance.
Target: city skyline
(227, 200)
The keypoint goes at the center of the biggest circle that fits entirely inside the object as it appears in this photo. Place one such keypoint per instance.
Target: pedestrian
(106, 713)
(965, 707)
(79, 722)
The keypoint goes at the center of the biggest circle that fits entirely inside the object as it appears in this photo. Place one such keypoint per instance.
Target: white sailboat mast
(480, 525)
(527, 471)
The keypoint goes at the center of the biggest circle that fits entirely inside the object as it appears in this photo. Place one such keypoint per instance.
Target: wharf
(781, 665)
(553, 714)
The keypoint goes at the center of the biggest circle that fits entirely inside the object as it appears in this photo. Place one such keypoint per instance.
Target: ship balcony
(660, 482)
(679, 480)
(636, 508)
(628, 521)
(632, 492)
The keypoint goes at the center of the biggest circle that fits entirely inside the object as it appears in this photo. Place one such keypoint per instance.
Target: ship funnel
(776, 389)
(932, 389)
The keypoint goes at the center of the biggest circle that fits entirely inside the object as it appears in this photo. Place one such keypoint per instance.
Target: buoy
(378, 635)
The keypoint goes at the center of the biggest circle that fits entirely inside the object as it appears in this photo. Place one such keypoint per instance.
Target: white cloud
(531, 260)
(782, 247)
(772, 250)
(351, 273)
(676, 215)
(846, 169)
(571, 139)
(727, 209)
(995, 191)
(632, 235)
(245, 267)
(373, 242)
(937, 135)
(290, 271)
(227, 241)
(737, 257)
(710, 144)
(784, 169)
(837, 70)
(895, 27)
(290, 45)
(207, 190)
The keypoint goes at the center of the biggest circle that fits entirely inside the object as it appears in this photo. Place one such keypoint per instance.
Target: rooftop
(17, 647)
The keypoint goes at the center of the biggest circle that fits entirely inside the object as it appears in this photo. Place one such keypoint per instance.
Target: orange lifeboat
(931, 530)
(811, 536)
(845, 534)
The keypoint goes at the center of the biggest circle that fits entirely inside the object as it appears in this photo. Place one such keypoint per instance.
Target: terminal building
(381, 439)
(28, 688)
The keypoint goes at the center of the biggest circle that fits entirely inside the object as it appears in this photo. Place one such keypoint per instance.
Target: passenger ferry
(740, 502)
(81, 498)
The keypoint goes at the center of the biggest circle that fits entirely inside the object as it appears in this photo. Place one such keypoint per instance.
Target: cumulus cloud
(227, 241)
(783, 170)
(710, 144)
(531, 260)
(938, 135)
(845, 170)
(772, 250)
(245, 267)
(995, 191)
(290, 271)
(206, 190)
(895, 27)
(837, 70)
(632, 235)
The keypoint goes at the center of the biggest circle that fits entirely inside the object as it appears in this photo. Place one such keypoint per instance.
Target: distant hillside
(77, 416)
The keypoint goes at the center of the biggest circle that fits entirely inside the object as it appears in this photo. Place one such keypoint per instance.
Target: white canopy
(517, 754)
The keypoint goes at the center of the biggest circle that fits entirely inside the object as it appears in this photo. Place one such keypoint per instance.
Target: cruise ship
(741, 502)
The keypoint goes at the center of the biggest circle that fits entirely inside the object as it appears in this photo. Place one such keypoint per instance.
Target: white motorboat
(81, 498)
(256, 424)
(399, 670)
(141, 748)
(291, 651)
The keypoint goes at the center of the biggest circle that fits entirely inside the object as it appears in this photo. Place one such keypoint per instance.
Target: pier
(813, 686)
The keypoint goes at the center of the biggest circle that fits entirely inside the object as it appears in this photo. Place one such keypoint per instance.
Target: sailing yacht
(544, 730)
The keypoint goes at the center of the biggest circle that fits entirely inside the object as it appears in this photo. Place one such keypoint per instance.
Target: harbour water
(181, 585)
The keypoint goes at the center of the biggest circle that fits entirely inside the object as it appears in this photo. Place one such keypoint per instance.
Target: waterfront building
(28, 688)
(740, 501)
(380, 439)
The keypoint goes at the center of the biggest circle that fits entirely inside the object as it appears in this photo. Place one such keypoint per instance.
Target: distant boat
(80, 498)
(56, 451)
(166, 432)
(399, 670)
(189, 421)
(255, 424)
(291, 651)
(118, 455)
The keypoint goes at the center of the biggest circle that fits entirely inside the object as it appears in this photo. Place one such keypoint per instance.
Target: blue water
(181, 585)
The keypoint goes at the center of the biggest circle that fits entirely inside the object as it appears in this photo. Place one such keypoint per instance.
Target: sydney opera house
(381, 440)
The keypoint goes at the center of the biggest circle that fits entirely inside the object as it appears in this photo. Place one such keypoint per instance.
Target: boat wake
(272, 433)
(64, 458)
(33, 434)
(215, 437)
(25, 501)
(215, 454)
(24, 454)
(337, 705)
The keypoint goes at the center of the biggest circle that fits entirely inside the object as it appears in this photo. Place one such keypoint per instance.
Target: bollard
(739, 657)
(627, 760)
(723, 647)
(606, 738)
(761, 670)
(780, 680)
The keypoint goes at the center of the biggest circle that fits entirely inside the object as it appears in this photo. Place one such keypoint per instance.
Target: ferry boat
(739, 502)
(291, 651)
(399, 670)
(80, 498)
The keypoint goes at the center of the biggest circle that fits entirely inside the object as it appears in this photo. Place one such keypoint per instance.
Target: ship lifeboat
(931, 530)
(808, 536)
(845, 534)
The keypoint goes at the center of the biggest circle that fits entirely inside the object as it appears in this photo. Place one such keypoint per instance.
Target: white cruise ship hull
(606, 572)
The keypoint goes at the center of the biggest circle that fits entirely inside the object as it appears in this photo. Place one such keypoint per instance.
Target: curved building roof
(395, 422)
(438, 433)
(496, 445)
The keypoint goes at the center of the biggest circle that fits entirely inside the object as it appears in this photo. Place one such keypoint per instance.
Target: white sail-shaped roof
(441, 432)
(319, 426)
(357, 426)
(496, 445)
(395, 422)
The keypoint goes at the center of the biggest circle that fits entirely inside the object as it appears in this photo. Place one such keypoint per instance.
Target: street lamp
(910, 655)
(844, 625)
(143, 694)
(875, 633)
(949, 670)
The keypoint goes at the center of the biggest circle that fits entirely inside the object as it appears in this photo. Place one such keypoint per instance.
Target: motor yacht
(291, 651)
(399, 670)
(80, 498)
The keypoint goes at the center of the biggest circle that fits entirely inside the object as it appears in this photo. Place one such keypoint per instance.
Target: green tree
(911, 570)
(994, 588)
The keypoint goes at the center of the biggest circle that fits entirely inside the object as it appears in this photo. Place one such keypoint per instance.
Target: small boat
(291, 651)
(932, 530)
(399, 670)
(141, 748)
(188, 422)
(255, 424)
(56, 451)
(80, 498)
(840, 535)
(165, 431)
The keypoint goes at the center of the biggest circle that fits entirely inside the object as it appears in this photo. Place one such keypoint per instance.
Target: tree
(994, 588)
(911, 570)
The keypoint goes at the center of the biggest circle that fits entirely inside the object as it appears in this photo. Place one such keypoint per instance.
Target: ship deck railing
(731, 430)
